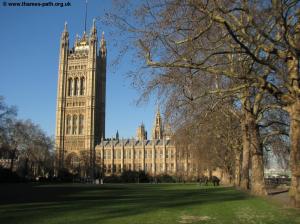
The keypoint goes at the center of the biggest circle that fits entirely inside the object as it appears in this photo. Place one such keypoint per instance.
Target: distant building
(155, 156)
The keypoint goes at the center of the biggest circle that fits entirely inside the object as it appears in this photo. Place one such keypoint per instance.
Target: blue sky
(29, 54)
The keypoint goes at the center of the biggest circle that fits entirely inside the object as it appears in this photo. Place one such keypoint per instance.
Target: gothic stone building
(80, 119)
(156, 156)
(80, 112)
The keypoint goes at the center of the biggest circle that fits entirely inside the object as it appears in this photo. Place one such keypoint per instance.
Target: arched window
(74, 126)
(76, 87)
(68, 124)
(70, 87)
(82, 86)
(74, 161)
(81, 124)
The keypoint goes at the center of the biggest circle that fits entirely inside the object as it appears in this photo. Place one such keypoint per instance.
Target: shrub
(6, 176)
(112, 179)
(165, 178)
(129, 176)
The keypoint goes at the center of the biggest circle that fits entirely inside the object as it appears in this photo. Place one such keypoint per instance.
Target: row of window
(72, 67)
(138, 154)
(187, 167)
(138, 166)
(75, 124)
(76, 86)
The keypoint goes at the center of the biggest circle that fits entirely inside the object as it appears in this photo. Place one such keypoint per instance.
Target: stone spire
(157, 132)
(94, 29)
(141, 132)
(65, 33)
(103, 50)
(117, 135)
(66, 27)
(76, 40)
(84, 37)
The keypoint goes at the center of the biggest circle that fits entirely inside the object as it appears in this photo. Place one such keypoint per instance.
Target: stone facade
(152, 156)
(155, 157)
(158, 156)
(80, 111)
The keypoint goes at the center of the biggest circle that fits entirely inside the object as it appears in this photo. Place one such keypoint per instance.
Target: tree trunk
(245, 157)
(225, 177)
(12, 159)
(294, 112)
(258, 186)
(237, 176)
(209, 173)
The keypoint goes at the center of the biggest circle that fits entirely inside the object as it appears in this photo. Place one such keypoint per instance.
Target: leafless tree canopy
(24, 147)
(220, 61)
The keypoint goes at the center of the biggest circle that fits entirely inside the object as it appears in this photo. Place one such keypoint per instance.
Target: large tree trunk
(245, 157)
(294, 112)
(258, 186)
(237, 176)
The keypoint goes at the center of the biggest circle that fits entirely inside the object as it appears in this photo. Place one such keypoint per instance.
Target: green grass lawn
(136, 203)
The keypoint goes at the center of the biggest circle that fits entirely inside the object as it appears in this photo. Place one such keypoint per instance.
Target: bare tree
(25, 142)
(203, 36)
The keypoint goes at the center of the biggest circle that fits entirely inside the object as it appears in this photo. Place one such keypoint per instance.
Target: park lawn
(136, 203)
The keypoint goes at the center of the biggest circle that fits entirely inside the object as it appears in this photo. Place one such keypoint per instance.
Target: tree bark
(237, 176)
(225, 177)
(294, 193)
(258, 186)
(245, 157)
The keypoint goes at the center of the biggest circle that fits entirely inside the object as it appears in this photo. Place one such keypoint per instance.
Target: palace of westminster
(80, 118)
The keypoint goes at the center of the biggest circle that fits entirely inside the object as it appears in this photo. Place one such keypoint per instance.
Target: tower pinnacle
(76, 40)
(141, 133)
(94, 23)
(94, 29)
(103, 45)
(103, 42)
(66, 27)
(157, 132)
(65, 33)
(157, 110)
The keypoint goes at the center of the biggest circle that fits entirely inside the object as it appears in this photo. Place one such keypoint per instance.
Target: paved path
(282, 198)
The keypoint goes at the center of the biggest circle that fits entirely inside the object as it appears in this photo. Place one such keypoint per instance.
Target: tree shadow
(27, 202)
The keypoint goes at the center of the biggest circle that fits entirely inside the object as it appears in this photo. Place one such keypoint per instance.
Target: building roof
(108, 143)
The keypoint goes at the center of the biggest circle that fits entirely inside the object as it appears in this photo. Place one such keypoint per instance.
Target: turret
(103, 50)
(65, 33)
(157, 132)
(117, 135)
(76, 41)
(64, 43)
(141, 133)
(93, 42)
(62, 70)
(93, 33)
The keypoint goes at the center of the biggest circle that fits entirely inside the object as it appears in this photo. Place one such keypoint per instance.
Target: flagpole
(86, 3)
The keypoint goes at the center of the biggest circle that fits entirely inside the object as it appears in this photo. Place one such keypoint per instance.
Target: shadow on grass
(24, 202)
